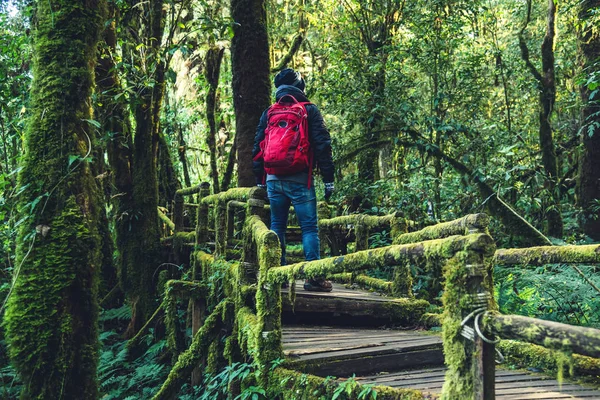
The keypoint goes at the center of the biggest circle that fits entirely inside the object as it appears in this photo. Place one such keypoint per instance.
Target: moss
(51, 315)
(462, 280)
(248, 331)
(299, 386)
(166, 220)
(430, 320)
(365, 282)
(241, 193)
(525, 355)
(468, 224)
(198, 349)
(374, 258)
(548, 255)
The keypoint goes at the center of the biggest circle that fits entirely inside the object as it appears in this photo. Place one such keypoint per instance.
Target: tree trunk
(51, 316)
(214, 56)
(588, 183)
(112, 117)
(143, 241)
(250, 81)
(547, 88)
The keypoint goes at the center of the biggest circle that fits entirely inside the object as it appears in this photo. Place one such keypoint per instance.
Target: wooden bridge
(367, 331)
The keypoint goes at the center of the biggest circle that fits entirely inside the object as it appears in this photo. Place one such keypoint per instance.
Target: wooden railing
(248, 307)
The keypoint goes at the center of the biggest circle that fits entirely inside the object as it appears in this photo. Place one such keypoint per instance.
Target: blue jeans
(282, 194)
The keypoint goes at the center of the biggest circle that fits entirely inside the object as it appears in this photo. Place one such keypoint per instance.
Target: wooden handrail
(550, 334)
(534, 256)
(390, 255)
(473, 223)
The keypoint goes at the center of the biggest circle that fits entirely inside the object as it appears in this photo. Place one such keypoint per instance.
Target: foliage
(555, 292)
(120, 376)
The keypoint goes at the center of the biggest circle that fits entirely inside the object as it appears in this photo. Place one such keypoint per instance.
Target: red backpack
(286, 149)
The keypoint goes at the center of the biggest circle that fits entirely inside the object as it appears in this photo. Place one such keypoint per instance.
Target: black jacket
(318, 135)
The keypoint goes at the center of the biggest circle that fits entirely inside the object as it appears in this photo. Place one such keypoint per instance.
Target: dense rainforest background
(436, 109)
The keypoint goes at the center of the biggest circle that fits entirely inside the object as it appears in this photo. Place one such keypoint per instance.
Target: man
(297, 188)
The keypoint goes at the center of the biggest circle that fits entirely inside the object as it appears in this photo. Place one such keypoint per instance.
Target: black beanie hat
(289, 77)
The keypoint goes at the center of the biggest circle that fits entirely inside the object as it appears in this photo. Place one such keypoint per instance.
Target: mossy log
(391, 255)
(370, 221)
(527, 355)
(240, 194)
(188, 191)
(473, 223)
(298, 386)
(553, 335)
(198, 349)
(548, 255)
(163, 217)
(186, 289)
(364, 281)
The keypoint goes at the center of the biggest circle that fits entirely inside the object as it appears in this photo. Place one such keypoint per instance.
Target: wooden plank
(329, 348)
(326, 347)
(570, 389)
(370, 364)
(309, 341)
(553, 395)
(381, 350)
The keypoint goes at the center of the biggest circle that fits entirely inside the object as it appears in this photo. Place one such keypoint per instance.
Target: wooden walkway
(396, 358)
(510, 385)
(358, 307)
(382, 357)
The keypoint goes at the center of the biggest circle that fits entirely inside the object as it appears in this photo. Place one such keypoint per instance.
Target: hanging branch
(296, 43)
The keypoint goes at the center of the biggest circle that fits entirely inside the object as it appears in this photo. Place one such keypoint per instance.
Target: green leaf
(93, 123)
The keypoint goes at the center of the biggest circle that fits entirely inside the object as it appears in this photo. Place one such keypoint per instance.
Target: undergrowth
(553, 292)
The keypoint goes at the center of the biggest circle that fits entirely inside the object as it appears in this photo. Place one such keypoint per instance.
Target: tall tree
(546, 81)
(589, 167)
(250, 81)
(145, 25)
(51, 316)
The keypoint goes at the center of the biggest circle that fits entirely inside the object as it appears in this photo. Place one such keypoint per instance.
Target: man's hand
(329, 188)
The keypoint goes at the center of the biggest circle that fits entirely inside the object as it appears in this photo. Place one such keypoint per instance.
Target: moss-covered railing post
(202, 215)
(268, 303)
(221, 228)
(468, 294)
(323, 212)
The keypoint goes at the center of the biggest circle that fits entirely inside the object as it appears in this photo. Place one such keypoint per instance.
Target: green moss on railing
(468, 224)
(365, 282)
(548, 255)
(374, 258)
(232, 194)
(298, 386)
(525, 355)
(198, 349)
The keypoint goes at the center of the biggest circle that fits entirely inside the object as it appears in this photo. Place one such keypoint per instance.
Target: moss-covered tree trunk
(142, 250)
(112, 116)
(588, 184)
(214, 56)
(251, 84)
(51, 315)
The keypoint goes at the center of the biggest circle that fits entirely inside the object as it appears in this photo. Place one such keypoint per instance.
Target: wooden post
(483, 366)
(323, 212)
(198, 311)
(202, 217)
(362, 235)
(221, 228)
(230, 222)
(178, 212)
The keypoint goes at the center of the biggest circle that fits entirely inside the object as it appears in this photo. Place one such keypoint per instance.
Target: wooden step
(342, 352)
(357, 307)
(509, 384)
